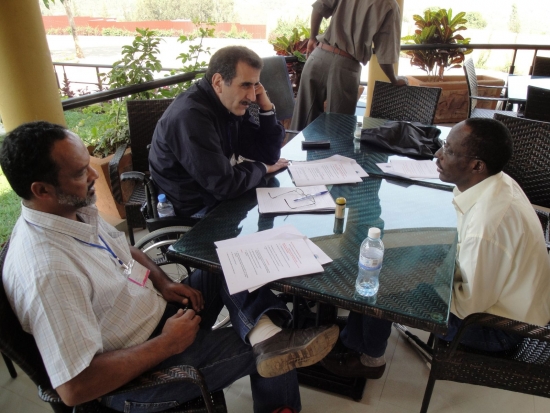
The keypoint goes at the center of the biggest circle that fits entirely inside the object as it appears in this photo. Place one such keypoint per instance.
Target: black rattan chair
(142, 120)
(541, 66)
(407, 103)
(537, 106)
(530, 163)
(471, 81)
(525, 369)
(20, 347)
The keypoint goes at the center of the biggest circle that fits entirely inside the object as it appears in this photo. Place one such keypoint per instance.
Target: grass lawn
(10, 210)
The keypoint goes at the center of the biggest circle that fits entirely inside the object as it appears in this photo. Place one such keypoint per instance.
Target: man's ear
(480, 167)
(42, 190)
(217, 81)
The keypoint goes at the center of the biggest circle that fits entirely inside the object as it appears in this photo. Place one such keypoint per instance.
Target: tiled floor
(400, 390)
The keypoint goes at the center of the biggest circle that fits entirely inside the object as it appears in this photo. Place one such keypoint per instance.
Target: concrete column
(375, 73)
(28, 88)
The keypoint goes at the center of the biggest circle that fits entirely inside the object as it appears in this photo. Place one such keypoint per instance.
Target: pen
(310, 195)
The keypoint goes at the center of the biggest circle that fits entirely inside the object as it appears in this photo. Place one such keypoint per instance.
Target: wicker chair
(541, 66)
(20, 347)
(142, 120)
(530, 163)
(525, 369)
(471, 81)
(407, 103)
(537, 106)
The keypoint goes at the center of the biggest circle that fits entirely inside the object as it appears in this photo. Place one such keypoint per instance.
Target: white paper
(274, 233)
(248, 266)
(323, 173)
(283, 200)
(410, 168)
(339, 158)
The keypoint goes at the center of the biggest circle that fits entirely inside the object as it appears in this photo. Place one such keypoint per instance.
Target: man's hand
(180, 330)
(281, 163)
(261, 97)
(401, 81)
(182, 293)
(311, 44)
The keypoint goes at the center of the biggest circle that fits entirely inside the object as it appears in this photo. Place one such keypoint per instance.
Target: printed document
(410, 168)
(333, 170)
(243, 258)
(294, 200)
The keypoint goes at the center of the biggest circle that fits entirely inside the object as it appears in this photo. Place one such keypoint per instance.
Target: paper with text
(410, 168)
(248, 266)
(323, 173)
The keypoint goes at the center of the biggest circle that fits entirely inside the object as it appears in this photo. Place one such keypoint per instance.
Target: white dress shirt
(73, 297)
(503, 267)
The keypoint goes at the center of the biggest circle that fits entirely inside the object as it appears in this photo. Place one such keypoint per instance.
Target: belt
(335, 50)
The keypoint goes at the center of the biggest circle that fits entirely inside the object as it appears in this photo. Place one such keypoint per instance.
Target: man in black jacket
(207, 147)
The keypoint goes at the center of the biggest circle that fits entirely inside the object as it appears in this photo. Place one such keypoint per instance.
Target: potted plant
(441, 27)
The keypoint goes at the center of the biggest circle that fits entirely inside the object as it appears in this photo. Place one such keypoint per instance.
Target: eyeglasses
(310, 199)
(447, 152)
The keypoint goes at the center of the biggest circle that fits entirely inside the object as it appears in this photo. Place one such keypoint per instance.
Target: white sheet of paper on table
(410, 168)
(277, 200)
(248, 266)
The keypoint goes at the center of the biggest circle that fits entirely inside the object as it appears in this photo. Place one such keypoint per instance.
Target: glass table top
(418, 226)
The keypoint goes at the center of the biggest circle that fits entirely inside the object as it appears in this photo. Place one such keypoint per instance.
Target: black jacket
(191, 150)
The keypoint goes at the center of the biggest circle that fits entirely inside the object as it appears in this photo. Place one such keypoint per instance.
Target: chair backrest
(537, 106)
(541, 67)
(409, 103)
(274, 77)
(471, 81)
(530, 163)
(20, 346)
(143, 116)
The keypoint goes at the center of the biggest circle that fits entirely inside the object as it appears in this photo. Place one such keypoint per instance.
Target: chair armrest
(491, 87)
(133, 176)
(113, 174)
(49, 395)
(489, 98)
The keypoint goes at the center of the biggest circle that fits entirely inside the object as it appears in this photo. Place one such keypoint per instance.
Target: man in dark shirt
(207, 147)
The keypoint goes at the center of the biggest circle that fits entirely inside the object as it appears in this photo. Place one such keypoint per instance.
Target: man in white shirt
(502, 264)
(102, 312)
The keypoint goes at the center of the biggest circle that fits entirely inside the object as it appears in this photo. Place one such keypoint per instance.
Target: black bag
(405, 138)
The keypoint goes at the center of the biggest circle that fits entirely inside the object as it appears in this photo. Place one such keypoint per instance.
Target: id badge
(137, 273)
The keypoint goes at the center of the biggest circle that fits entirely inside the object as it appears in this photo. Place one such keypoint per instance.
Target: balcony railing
(105, 95)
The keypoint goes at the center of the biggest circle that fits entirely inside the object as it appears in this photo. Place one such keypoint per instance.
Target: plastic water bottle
(165, 207)
(371, 255)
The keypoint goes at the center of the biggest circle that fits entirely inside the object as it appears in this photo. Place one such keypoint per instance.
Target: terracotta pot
(453, 102)
(105, 201)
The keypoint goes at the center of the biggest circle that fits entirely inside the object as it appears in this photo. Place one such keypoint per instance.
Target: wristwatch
(268, 112)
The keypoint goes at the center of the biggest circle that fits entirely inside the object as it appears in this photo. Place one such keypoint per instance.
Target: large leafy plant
(438, 27)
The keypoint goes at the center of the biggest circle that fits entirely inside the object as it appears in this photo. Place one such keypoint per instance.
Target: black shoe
(290, 349)
(349, 365)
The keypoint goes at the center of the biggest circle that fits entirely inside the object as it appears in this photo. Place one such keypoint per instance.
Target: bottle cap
(341, 201)
(162, 198)
(374, 232)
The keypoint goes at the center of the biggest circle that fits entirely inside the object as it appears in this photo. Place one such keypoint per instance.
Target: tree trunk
(69, 11)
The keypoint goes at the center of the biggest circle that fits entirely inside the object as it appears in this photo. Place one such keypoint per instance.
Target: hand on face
(261, 97)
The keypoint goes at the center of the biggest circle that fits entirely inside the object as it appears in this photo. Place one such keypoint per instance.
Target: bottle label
(374, 263)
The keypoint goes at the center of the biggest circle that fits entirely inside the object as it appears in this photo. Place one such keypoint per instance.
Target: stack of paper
(410, 168)
(294, 200)
(253, 260)
(336, 169)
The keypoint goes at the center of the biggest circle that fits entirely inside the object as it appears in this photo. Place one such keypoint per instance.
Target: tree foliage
(475, 20)
(201, 10)
(514, 23)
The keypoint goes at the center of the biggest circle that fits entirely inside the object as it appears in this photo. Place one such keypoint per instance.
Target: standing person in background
(333, 69)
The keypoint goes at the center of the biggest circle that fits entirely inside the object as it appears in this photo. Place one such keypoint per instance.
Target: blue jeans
(481, 338)
(370, 335)
(222, 356)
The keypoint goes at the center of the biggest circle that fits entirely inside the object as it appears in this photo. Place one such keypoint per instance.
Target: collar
(463, 201)
(85, 231)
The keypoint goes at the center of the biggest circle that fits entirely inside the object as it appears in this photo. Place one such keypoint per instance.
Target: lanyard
(105, 247)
